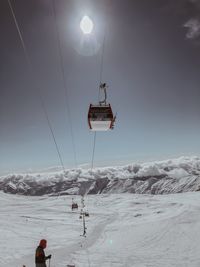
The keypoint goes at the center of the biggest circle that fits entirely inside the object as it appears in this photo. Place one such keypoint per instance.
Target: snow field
(123, 230)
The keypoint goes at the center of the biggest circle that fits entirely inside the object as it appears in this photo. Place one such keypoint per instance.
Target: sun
(86, 25)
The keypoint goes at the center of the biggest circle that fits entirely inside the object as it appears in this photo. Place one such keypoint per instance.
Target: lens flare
(86, 25)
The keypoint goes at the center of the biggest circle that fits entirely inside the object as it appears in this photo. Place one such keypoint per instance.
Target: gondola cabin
(87, 214)
(100, 117)
(74, 206)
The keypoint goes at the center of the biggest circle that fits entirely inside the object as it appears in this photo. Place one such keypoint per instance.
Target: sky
(150, 62)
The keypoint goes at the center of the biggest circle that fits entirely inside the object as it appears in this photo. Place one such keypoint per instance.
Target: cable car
(74, 205)
(87, 214)
(100, 116)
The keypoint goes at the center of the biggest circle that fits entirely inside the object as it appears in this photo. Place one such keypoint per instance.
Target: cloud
(193, 26)
(189, 12)
(193, 23)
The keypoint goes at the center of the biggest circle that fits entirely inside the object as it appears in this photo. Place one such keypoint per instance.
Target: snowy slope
(124, 230)
(170, 176)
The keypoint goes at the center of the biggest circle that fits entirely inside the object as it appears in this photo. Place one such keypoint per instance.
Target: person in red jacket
(40, 258)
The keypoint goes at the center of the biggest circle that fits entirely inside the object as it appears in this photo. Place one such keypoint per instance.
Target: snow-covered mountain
(162, 177)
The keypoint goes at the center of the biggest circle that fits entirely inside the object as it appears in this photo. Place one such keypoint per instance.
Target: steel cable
(64, 80)
(39, 91)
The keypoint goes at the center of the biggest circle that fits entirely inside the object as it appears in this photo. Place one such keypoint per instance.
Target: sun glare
(86, 25)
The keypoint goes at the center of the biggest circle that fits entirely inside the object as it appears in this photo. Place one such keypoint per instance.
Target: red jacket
(40, 255)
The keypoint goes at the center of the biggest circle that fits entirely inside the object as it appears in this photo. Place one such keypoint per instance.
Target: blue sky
(151, 64)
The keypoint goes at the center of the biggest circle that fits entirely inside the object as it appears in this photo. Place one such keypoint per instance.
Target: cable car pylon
(83, 214)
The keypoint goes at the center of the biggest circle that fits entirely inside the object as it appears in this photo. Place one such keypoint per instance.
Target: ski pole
(49, 262)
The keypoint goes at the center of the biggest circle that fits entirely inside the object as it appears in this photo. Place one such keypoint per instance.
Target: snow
(185, 164)
(169, 176)
(122, 230)
(177, 173)
(150, 170)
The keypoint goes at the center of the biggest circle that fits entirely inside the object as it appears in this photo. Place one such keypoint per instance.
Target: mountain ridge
(160, 177)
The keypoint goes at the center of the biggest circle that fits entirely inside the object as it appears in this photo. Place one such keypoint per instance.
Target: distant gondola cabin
(74, 206)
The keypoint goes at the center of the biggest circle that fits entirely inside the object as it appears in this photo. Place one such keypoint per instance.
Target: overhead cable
(39, 90)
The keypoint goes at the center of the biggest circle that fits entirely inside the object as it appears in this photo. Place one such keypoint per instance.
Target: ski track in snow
(122, 230)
